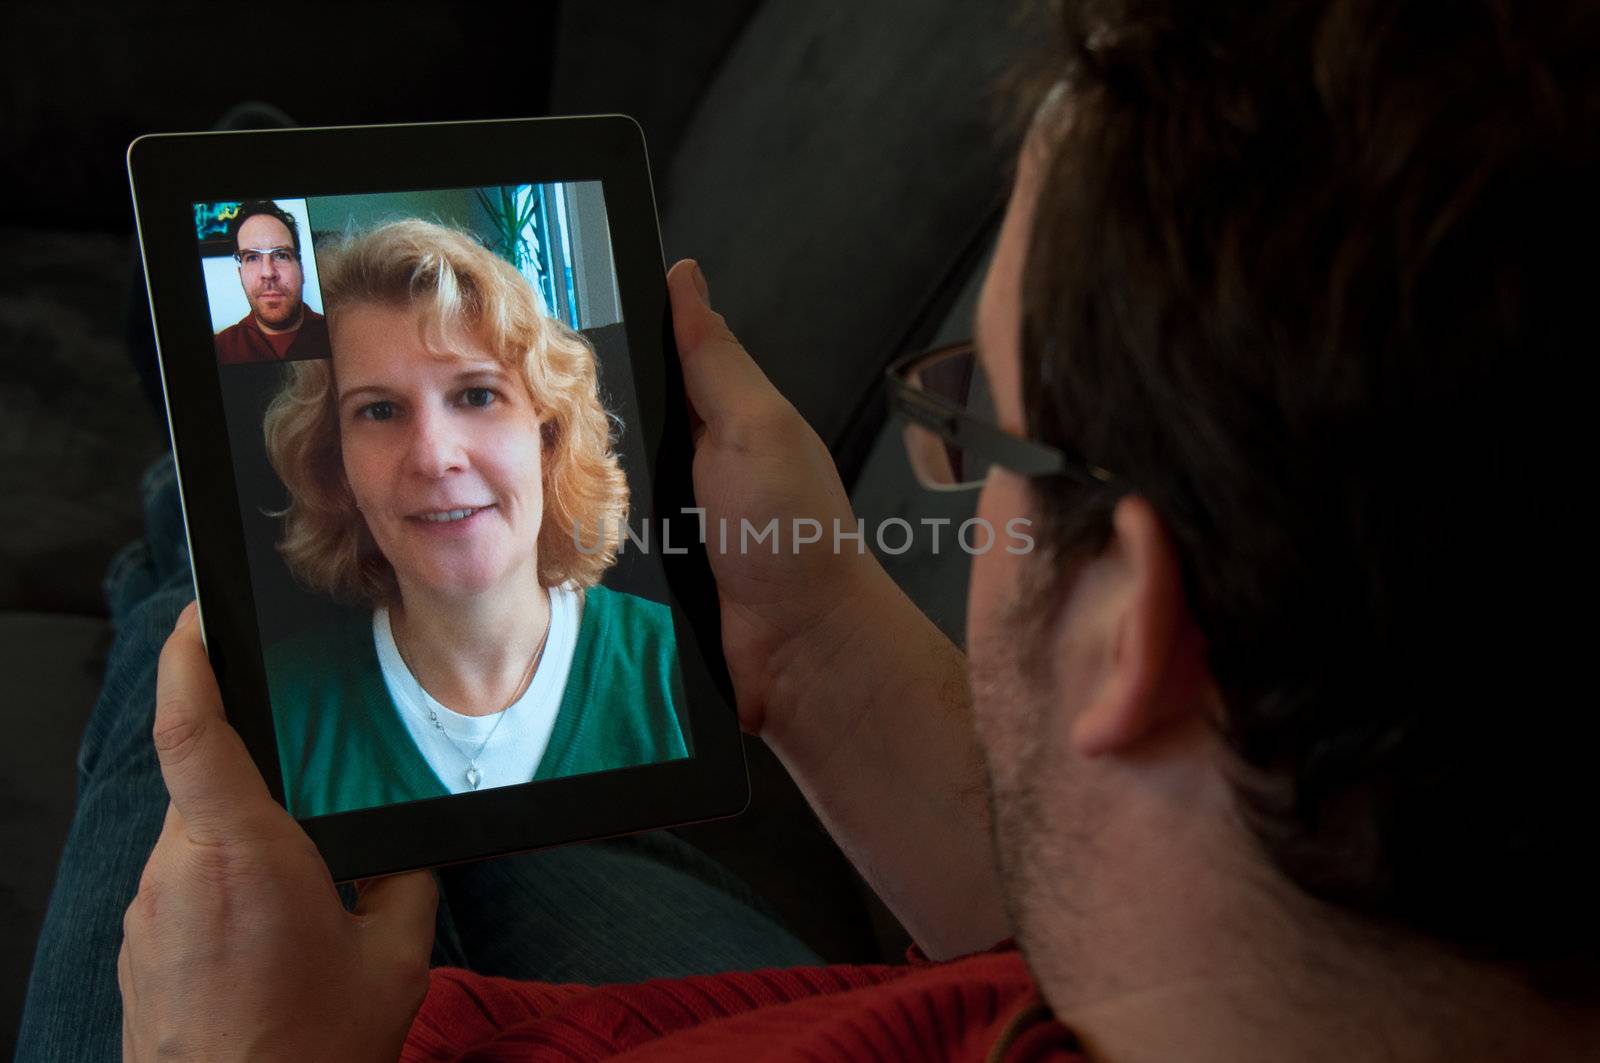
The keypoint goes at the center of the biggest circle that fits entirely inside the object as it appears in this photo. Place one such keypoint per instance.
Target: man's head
(267, 247)
(1296, 274)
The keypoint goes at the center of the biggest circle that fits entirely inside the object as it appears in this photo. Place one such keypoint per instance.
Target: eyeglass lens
(253, 257)
(954, 377)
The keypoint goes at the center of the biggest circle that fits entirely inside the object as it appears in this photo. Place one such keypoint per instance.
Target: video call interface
(428, 398)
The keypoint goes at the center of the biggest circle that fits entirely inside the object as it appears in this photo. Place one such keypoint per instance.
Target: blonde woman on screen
(443, 468)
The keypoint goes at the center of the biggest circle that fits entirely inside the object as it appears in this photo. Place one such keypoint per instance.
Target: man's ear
(1155, 669)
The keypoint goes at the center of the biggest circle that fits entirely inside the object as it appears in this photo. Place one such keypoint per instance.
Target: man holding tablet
(1268, 731)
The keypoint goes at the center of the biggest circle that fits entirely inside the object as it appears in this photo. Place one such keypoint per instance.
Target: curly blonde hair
(455, 283)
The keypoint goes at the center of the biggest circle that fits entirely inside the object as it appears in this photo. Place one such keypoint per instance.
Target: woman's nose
(436, 447)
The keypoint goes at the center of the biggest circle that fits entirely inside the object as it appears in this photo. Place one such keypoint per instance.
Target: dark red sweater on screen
(977, 1008)
(243, 342)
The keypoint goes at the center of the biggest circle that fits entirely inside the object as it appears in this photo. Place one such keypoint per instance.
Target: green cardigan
(342, 745)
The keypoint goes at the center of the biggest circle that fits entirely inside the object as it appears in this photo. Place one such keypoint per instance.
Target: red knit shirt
(243, 342)
(977, 1008)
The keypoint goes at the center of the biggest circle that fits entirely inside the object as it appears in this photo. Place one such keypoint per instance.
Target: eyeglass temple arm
(1022, 456)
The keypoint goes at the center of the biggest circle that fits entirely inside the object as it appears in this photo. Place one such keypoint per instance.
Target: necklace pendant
(473, 778)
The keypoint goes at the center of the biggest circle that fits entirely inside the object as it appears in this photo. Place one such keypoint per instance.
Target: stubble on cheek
(1013, 671)
(1006, 682)
(1010, 659)
(1002, 711)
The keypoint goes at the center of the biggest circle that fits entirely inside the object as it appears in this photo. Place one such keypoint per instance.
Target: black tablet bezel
(171, 172)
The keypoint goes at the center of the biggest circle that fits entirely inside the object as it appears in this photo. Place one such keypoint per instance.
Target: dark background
(84, 79)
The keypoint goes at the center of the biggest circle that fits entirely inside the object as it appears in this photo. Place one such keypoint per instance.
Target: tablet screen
(426, 395)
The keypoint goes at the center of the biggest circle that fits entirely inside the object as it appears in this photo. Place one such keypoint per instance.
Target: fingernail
(186, 617)
(701, 286)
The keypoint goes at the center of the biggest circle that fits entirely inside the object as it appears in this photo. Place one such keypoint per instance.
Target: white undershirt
(514, 749)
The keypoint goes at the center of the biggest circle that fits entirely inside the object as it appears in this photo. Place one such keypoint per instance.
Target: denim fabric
(615, 911)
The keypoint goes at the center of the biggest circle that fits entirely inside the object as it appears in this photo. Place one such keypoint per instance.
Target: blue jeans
(618, 911)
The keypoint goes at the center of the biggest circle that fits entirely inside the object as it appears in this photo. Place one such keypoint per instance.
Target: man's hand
(858, 693)
(237, 946)
(758, 461)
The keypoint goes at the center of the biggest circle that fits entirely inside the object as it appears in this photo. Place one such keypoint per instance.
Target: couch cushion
(840, 162)
(645, 59)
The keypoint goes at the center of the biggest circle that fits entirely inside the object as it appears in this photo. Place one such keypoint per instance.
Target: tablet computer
(434, 458)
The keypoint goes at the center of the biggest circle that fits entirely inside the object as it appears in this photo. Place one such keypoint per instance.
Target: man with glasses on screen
(279, 326)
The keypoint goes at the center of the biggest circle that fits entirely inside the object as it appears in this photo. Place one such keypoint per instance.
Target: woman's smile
(449, 515)
(452, 522)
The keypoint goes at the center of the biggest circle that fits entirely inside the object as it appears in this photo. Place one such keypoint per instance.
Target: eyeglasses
(952, 433)
(253, 257)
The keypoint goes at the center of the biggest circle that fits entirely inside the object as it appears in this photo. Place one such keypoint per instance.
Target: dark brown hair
(256, 207)
(1301, 274)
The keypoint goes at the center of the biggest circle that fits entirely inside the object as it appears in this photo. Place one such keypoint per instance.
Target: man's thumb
(397, 918)
(719, 376)
(207, 770)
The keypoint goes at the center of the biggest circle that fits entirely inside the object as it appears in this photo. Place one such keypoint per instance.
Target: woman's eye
(377, 411)
(477, 396)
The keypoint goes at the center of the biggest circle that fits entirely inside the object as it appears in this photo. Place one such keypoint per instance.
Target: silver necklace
(473, 776)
